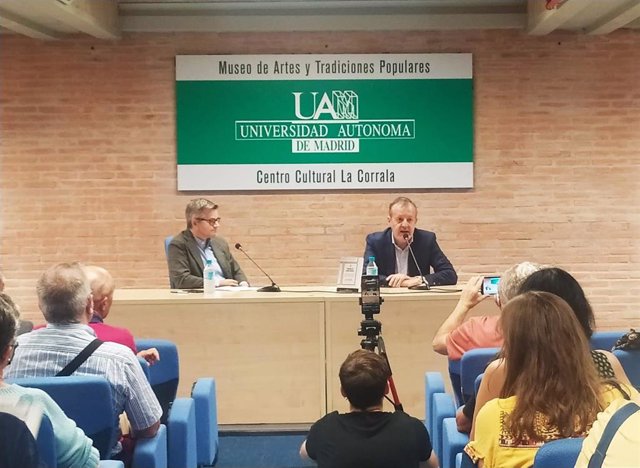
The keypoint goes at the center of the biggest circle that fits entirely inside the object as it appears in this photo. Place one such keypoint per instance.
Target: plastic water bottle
(372, 268)
(208, 277)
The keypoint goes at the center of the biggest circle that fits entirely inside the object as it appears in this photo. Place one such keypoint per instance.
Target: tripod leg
(382, 351)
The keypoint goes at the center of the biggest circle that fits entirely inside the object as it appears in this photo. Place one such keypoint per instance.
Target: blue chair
(204, 397)
(472, 364)
(145, 367)
(151, 452)
(453, 443)
(443, 407)
(454, 376)
(46, 441)
(605, 339)
(181, 435)
(558, 453)
(476, 384)
(630, 360)
(433, 383)
(164, 375)
(87, 400)
(167, 241)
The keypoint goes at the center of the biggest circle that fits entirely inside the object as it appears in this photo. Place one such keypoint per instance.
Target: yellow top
(495, 445)
(624, 451)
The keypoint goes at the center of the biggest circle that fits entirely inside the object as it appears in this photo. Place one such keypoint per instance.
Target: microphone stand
(274, 287)
(424, 286)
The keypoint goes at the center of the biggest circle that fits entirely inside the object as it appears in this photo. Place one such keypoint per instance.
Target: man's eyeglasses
(211, 221)
(13, 345)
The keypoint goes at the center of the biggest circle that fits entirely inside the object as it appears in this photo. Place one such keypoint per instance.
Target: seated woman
(550, 389)
(74, 449)
(565, 286)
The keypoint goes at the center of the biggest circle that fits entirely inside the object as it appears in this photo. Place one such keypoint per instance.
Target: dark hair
(8, 321)
(363, 376)
(562, 284)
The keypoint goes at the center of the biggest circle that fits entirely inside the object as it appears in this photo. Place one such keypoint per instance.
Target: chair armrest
(181, 431)
(151, 452)
(453, 442)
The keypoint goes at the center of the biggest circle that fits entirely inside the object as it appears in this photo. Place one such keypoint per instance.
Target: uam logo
(326, 122)
(342, 105)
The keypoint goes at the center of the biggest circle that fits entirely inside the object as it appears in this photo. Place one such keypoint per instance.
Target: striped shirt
(46, 351)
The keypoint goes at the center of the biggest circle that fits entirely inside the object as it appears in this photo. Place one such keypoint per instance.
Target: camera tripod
(373, 341)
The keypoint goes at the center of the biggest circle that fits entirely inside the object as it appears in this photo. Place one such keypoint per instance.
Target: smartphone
(490, 285)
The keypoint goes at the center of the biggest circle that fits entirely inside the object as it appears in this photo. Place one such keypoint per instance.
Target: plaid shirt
(45, 352)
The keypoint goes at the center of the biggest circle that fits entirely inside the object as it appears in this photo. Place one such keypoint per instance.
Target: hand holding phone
(490, 285)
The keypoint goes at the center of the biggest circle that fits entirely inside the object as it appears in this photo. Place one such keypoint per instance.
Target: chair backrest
(167, 241)
(204, 397)
(443, 407)
(472, 364)
(85, 399)
(630, 360)
(454, 376)
(558, 453)
(164, 375)
(433, 383)
(605, 339)
(46, 441)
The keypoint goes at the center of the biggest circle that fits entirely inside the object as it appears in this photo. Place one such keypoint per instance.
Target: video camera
(370, 301)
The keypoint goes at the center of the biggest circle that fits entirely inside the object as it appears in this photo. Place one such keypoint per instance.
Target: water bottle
(372, 268)
(208, 277)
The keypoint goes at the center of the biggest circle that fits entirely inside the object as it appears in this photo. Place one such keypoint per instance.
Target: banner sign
(309, 122)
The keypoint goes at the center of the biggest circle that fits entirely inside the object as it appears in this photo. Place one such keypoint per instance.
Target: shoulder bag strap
(80, 358)
(610, 430)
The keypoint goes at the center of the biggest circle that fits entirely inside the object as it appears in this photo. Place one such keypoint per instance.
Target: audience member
(65, 300)
(189, 250)
(73, 448)
(102, 288)
(623, 451)
(551, 389)
(24, 326)
(459, 334)
(367, 436)
(396, 265)
(558, 282)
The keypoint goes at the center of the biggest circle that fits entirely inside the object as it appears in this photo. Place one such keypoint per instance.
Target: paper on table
(236, 288)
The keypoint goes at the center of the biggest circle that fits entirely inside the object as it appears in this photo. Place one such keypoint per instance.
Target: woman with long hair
(550, 390)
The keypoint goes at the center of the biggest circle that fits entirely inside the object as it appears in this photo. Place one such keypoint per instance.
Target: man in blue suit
(396, 266)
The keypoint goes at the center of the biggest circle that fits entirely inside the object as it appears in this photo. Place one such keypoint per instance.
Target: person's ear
(386, 388)
(342, 392)
(497, 298)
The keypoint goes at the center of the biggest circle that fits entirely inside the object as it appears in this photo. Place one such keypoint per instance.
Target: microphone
(274, 287)
(425, 284)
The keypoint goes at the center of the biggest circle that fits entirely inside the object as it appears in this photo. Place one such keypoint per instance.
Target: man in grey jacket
(189, 250)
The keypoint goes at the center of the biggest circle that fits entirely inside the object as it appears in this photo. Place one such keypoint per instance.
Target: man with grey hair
(458, 333)
(192, 248)
(64, 297)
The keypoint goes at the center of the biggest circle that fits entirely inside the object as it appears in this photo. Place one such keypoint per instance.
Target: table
(275, 356)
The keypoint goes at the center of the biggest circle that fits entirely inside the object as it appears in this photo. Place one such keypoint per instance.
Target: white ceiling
(108, 19)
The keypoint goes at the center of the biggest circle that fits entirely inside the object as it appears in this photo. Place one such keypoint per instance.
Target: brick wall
(88, 163)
